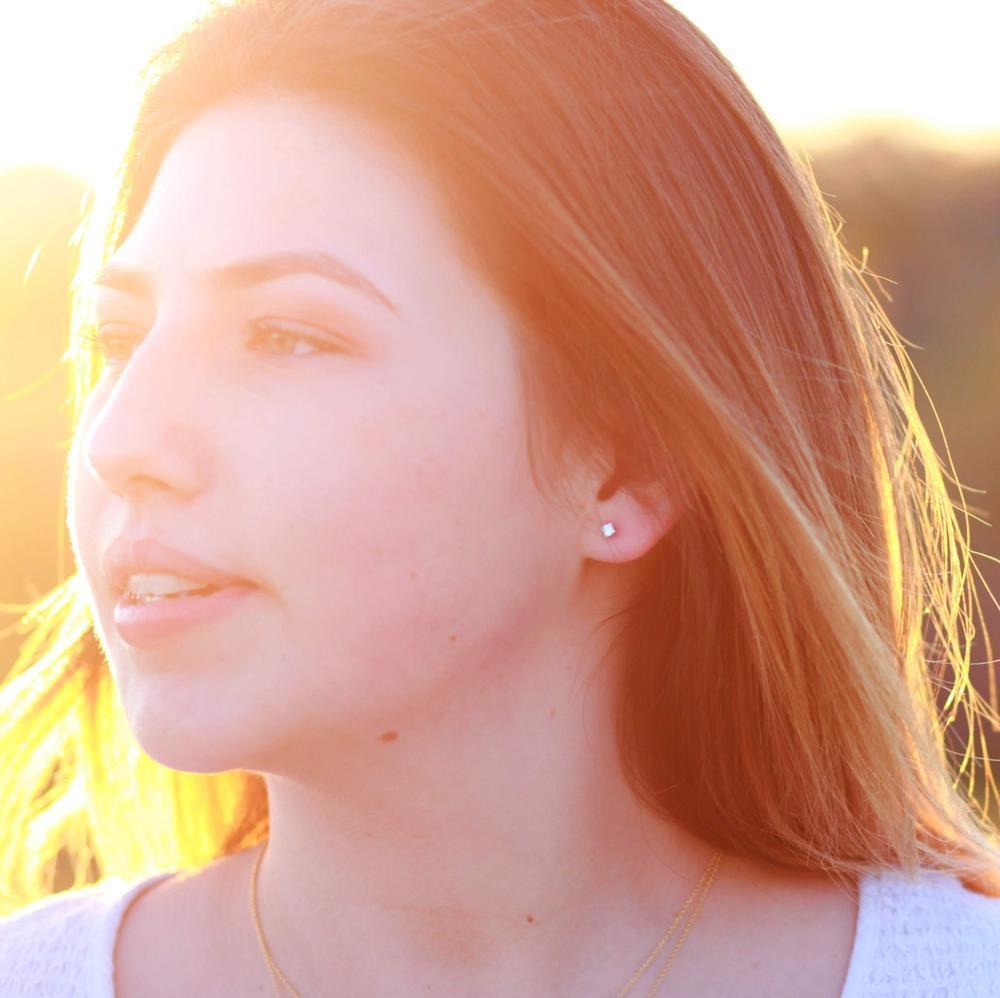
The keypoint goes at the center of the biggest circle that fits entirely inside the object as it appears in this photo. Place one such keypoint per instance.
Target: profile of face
(355, 449)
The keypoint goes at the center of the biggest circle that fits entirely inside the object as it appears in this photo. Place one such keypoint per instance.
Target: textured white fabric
(926, 937)
(61, 946)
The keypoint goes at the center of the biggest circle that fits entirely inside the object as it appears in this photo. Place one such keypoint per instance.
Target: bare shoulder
(770, 930)
(171, 936)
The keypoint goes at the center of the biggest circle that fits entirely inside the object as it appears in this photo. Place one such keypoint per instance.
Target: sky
(67, 67)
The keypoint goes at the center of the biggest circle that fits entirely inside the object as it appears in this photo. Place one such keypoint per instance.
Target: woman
(510, 561)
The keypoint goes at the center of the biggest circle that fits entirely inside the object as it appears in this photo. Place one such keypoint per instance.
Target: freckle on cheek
(389, 736)
(552, 712)
(452, 637)
(413, 574)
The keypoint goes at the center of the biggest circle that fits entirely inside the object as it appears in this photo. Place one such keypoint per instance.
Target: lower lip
(146, 624)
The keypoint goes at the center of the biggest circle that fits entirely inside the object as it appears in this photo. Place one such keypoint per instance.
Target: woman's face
(355, 450)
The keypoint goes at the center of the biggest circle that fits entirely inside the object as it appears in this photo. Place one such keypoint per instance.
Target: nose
(147, 432)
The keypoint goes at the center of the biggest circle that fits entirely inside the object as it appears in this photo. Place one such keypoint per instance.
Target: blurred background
(895, 105)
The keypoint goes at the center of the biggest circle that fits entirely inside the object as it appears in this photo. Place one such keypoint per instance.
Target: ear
(641, 517)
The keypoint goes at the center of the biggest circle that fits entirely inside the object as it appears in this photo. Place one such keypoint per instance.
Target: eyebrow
(253, 270)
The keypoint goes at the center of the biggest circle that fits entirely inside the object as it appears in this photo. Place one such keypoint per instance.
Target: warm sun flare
(66, 66)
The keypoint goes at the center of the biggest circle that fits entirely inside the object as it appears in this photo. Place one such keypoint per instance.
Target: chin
(190, 741)
(189, 755)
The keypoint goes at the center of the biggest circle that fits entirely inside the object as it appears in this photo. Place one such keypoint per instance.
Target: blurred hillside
(929, 218)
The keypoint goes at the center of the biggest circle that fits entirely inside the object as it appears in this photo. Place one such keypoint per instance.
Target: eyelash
(100, 340)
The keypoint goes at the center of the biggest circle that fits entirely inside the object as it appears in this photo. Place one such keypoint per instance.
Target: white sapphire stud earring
(608, 529)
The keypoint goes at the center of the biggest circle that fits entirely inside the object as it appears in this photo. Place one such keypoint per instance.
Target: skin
(417, 674)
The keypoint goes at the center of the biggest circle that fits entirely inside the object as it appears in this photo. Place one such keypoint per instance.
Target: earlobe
(635, 523)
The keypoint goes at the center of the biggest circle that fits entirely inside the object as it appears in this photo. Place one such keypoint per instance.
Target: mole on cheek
(531, 918)
(389, 736)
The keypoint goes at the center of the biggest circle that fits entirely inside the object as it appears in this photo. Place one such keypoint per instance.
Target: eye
(110, 341)
(103, 340)
(284, 340)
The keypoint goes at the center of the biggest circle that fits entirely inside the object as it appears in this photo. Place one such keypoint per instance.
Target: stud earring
(608, 529)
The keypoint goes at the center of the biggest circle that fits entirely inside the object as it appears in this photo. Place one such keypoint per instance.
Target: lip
(144, 625)
(126, 556)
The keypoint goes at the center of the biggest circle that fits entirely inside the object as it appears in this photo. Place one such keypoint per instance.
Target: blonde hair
(672, 263)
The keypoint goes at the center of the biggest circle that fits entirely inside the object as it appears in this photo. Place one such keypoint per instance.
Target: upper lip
(126, 556)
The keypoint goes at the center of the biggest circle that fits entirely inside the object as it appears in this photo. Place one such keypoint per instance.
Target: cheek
(393, 517)
(405, 552)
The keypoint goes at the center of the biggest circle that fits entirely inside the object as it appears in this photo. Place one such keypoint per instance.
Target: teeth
(196, 594)
(152, 584)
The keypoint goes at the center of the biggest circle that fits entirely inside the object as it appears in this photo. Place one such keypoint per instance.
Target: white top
(926, 937)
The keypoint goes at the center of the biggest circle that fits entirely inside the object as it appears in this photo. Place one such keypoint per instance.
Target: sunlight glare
(71, 66)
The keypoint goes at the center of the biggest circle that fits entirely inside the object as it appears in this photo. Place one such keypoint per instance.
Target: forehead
(283, 173)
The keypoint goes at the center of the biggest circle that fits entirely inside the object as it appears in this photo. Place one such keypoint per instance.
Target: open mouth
(144, 621)
(185, 594)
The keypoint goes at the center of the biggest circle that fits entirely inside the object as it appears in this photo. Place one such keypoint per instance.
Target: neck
(503, 827)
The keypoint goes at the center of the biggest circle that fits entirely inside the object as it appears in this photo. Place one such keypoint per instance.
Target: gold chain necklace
(703, 886)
